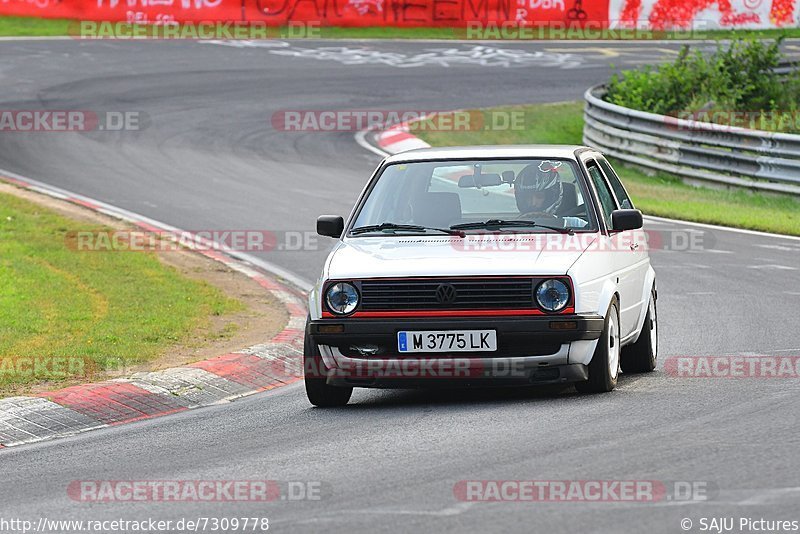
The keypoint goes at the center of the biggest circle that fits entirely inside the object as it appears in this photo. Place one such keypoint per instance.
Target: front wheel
(318, 391)
(641, 356)
(604, 367)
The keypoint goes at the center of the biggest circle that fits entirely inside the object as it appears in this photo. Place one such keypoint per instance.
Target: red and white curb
(397, 139)
(72, 410)
(393, 140)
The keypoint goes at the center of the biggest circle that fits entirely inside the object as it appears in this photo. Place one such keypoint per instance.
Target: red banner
(644, 14)
(702, 14)
(437, 13)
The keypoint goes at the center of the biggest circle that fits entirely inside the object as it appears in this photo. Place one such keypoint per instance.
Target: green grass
(788, 33)
(38, 27)
(82, 313)
(660, 195)
(33, 27)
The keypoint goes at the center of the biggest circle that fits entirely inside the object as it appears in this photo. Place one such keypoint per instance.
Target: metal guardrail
(697, 151)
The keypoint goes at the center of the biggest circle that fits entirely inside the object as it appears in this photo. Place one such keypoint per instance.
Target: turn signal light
(563, 325)
(331, 328)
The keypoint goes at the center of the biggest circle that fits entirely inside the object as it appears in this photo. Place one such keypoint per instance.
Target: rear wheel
(604, 367)
(641, 356)
(318, 391)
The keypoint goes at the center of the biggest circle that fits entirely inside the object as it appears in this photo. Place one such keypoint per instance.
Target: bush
(735, 78)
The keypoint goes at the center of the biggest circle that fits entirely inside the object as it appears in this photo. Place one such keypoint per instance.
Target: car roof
(488, 152)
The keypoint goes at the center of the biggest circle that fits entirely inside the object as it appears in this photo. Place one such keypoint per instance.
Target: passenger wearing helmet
(538, 190)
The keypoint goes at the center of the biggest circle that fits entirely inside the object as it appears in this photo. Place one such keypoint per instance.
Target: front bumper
(531, 350)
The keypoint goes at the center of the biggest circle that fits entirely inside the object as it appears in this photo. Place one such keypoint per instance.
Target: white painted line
(779, 247)
(768, 495)
(657, 223)
(722, 228)
(294, 279)
(772, 266)
(49, 193)
(683, 266)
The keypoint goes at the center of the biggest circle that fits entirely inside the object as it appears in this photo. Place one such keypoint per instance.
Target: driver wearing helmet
(538, 190)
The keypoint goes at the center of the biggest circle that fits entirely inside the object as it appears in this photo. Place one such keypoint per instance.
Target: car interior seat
(569, 200)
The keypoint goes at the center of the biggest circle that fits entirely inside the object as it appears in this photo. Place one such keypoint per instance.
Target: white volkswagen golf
(514, 265)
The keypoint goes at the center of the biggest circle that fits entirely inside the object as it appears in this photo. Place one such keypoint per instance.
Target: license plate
(447, 341)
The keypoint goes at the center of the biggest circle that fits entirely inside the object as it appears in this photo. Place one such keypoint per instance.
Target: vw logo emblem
(445, 294)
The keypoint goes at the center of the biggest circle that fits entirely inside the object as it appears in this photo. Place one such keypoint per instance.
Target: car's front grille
(447, 294)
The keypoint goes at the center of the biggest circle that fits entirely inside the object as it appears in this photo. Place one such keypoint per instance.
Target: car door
(637, 239)
(616, 251)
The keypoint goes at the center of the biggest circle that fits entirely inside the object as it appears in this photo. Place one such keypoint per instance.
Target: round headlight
(342, 298)
(552, 295)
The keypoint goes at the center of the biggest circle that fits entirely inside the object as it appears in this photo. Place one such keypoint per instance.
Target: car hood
(475, 255)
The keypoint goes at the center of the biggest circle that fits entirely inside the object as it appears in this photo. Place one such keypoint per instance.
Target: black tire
(318, 391)
(601, 378)
(640, 357)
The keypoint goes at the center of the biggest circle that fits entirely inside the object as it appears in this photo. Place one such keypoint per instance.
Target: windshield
(547, 194)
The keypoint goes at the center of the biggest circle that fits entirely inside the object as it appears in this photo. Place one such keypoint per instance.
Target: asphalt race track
(209, 158)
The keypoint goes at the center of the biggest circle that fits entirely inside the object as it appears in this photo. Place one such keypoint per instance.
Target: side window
(603, 192)
(616, 185)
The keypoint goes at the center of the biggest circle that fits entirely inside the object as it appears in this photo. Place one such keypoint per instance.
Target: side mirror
(330, 225)
(622, 220)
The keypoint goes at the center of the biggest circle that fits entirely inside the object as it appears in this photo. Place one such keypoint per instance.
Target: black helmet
(542, 177)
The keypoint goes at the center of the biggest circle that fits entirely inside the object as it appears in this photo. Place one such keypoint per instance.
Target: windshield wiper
(407, 227)
(500, 223)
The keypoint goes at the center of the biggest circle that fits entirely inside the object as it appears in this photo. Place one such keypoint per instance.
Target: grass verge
(68, 315)
(33, 27)
(12, 26)
(661, 195)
